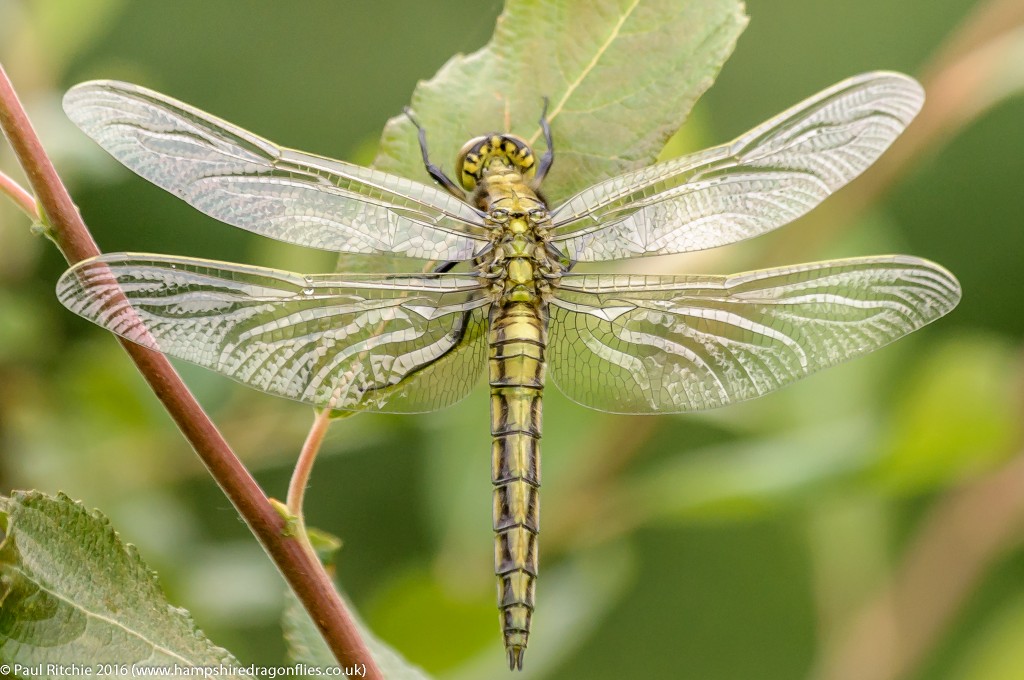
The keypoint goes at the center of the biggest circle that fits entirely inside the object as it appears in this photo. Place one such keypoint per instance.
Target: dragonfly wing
(763, 180)
(249, 182)
(668, 344)
(398, 344)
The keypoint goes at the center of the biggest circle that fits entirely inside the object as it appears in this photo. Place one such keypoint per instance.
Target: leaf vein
(588, 68)
(96, 615)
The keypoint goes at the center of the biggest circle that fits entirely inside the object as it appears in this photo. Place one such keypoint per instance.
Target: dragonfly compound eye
(482, 155)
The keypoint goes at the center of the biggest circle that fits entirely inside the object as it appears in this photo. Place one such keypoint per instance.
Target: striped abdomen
(518, 337)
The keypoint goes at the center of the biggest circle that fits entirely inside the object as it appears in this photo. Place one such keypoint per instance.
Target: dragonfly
(416, 342)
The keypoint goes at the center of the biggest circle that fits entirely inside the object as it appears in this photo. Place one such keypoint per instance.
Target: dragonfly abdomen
(518, 337)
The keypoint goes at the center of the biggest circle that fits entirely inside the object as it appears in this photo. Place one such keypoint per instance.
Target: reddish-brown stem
(304, 465)
(301, 473)
(302, 571)
(21, 198)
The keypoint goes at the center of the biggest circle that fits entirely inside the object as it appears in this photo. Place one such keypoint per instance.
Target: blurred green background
(861, 524)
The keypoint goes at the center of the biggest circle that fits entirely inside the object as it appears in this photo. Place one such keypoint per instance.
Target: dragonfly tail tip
(515, 658)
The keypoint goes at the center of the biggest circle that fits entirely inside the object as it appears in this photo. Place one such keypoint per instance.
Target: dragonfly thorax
(522, 266)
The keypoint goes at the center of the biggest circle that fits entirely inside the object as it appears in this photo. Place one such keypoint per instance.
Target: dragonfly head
(494, 153)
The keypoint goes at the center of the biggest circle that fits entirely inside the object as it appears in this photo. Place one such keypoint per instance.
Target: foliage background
(741, 543)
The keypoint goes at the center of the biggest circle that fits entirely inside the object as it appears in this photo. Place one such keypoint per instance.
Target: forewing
(249, 182)
(666, 344)
(398, 344)
(763, 180)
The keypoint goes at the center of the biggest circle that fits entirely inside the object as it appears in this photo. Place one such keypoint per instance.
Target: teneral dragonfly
(405, 343)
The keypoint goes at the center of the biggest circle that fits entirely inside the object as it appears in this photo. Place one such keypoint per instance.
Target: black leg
(560, 257)
(447, 266)
(549, 155)
(434, 171)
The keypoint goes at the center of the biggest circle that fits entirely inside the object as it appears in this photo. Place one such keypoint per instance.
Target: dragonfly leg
(560, 257)
(549, 154)
(434, 171)
(447, 266)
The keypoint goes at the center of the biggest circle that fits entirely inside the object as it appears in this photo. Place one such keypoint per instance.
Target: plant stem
(304, 465)
(960, 538)
(304, 573)
(300, 476)
(21, 198)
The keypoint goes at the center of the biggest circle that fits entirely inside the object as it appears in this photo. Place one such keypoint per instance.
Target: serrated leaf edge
(25, 498)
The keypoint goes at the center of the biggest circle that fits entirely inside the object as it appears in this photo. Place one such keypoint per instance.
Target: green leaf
(744, 478)
(621, 77)
(402, 606)
(325, 544)
(73, 28)
(72, 592)
(958, 415)
(995, 652)
(305, 646)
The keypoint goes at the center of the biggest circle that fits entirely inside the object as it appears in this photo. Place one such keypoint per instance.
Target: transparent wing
(766, 178)
(399, 344)
(666, 344)
(244, 180)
